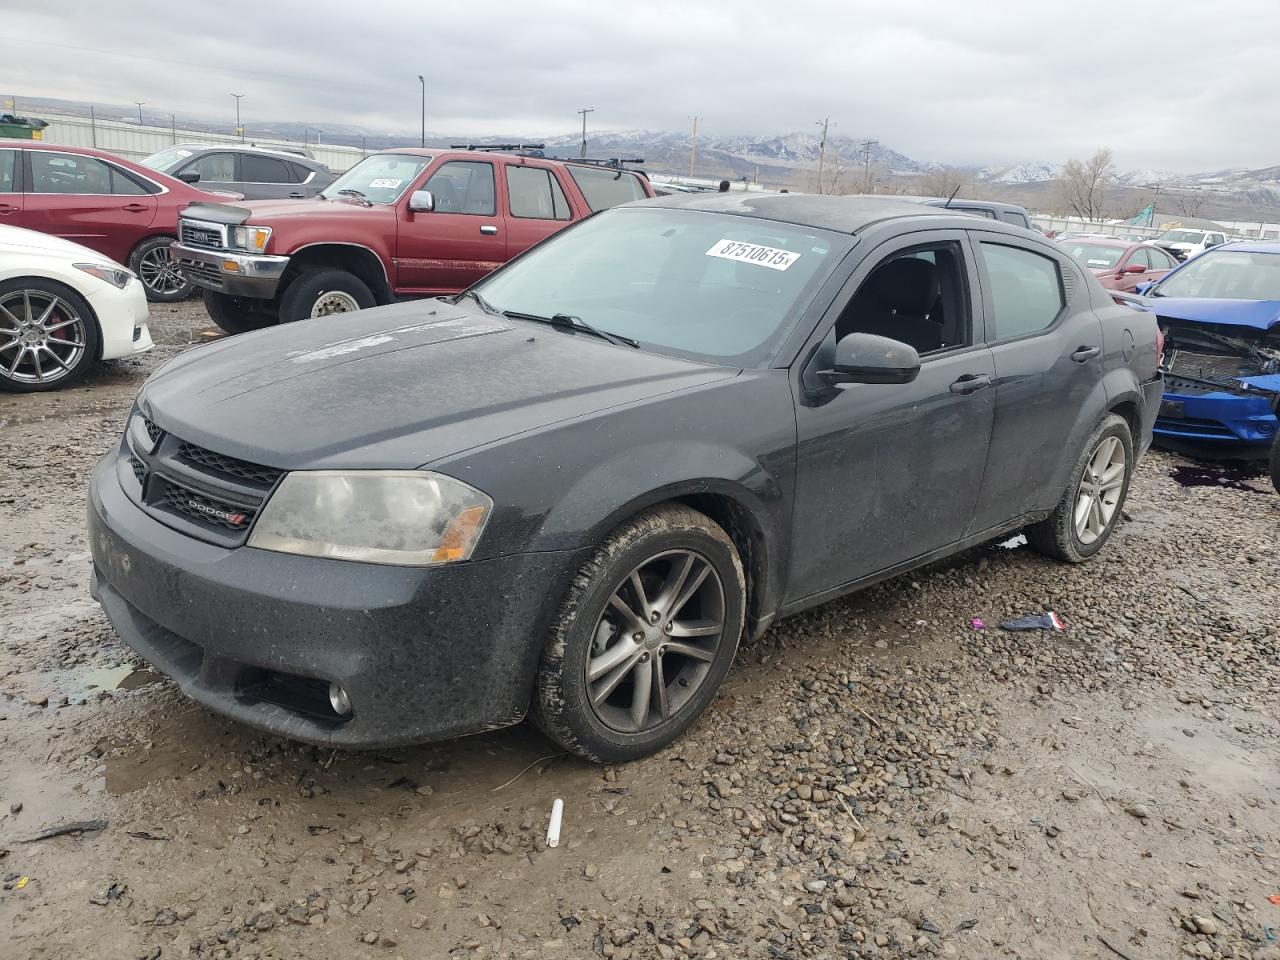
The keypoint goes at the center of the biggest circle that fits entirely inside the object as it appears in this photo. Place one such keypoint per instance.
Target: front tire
(161, 278)
(48, 335)
(645, 636)
(321, 293)
(235, 315)
(1090, 509)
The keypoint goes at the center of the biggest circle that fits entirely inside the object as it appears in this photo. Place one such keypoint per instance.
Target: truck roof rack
(615, 162)
(528, 149)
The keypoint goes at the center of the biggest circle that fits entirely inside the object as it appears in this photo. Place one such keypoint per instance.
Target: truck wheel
(1090, 509)
(646, 634)
(319, 293)
(235, 315)
(161, 277)
(1275, 463)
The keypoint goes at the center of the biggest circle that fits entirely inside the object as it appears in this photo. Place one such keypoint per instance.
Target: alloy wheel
(42, 336)
(1098, 496)
(334, 301)
(159, 273)
(655, 641)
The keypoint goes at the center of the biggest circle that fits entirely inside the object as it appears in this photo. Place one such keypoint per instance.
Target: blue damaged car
(1220, 316)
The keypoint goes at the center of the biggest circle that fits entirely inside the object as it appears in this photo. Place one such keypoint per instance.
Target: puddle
(118, 678)
(1231, 476)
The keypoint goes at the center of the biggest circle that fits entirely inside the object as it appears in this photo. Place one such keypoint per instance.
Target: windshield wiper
(348, 192)
(563, 321)
(485, 305)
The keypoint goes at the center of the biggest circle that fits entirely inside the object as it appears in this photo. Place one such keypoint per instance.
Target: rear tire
(323, 292)
(1275, 463)
(645, 692)
(161, 278)
(1089, 510)
(235, 315)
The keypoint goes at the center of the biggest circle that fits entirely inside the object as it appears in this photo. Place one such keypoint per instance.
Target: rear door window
(257, 169)
(1026, 289)
(534, 193)
(8, 171)
(604, 187)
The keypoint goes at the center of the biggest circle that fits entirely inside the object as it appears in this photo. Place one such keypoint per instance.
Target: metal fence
(136, 141)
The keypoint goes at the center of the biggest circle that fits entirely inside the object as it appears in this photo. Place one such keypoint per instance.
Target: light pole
(584, 111)
(239, 129)
(693, 146)
(424, 110)
(139, 103)
(822, 150)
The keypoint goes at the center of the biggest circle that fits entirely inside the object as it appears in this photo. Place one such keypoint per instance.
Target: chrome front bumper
(236, 274)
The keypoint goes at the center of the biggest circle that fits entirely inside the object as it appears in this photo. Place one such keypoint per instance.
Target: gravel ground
(877, 779)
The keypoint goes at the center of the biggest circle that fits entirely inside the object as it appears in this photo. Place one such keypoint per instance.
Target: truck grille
(1210, 366)
(199, 234)
(198, 491)
(201, 274)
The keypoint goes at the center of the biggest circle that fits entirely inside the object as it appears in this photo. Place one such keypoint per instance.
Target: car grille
(204, 235)
(228, 465)
(1210, 366)
(198, 491)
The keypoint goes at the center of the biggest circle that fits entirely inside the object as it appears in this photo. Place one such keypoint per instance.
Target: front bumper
(251, 275)
(1215, 416)
(423, 653)
(122, 319)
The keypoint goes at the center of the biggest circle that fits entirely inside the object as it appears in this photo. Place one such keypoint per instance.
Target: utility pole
(584, 111)
(93, 125)
(239, 129)
(866, 164)
(693, 146)
(139, 103)
(423, 82)
(1151, 220)
(822, 149)
(173, 127)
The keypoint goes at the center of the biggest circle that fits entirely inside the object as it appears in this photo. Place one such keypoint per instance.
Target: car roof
(842, 214)
(245, 148)
(1250, 246)
(1097, 241)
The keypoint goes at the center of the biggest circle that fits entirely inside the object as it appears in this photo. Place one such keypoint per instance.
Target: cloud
(1175, 88)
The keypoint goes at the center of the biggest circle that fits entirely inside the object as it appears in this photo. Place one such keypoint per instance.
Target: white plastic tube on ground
(553, 828)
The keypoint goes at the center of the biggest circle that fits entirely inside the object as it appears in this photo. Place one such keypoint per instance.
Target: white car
(63, 307)
(1185, 243)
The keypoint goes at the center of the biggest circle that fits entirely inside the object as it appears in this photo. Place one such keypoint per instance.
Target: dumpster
(21, 128)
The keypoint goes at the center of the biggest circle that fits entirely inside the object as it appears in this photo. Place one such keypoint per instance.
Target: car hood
(1260, 315)
(275, 211)
(398, 387)
(16, 241)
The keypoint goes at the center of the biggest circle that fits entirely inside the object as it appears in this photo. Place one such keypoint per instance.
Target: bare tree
(943, 182)
(1190, 204)
(1083, 184)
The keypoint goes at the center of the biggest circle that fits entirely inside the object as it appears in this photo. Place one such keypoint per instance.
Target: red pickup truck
(400, 223)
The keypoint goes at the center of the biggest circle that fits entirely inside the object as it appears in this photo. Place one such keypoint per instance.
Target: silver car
(256, 173)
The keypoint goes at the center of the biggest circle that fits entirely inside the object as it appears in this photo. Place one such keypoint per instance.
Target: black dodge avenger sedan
(572, 490)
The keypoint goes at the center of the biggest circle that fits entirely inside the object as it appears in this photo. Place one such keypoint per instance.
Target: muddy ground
(877, 779)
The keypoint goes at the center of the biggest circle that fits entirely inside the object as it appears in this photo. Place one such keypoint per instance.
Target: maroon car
(1119, 264)
(114, 206)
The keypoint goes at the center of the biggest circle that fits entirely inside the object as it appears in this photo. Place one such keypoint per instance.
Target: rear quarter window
(604, 188)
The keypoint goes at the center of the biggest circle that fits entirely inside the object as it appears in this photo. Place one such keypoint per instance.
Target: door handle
(489, 231)
(5, 209)
(296, 196)
(971, 383)
(134, 207)
(1085, 354)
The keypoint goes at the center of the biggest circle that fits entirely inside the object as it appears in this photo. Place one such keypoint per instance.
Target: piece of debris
(144, 835)
(113, 892)
(1035, 621)
(977, 623)
(553, 828)
(78, 826)
(1139, 810)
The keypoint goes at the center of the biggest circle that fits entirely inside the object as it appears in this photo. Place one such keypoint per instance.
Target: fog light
(339, 700)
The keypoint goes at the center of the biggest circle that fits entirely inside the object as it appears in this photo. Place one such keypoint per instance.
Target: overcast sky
(1183, 85)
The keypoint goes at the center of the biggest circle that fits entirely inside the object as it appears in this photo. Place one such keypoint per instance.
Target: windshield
(724, 289)
(165, 160)
(1181, 236)
(381, 178)
(1096, 256)
(1226, 275)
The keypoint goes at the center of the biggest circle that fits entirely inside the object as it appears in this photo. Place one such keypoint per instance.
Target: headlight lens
(118, 277)
(253, 239)
(407, 517)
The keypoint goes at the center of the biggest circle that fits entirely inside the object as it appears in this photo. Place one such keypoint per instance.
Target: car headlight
(252, 239)
(407, 517)
(118, 277)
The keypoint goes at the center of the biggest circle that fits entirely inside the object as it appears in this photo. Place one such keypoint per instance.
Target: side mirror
(867, 358)
(189, 176)
(1135, 268)
(421, 201)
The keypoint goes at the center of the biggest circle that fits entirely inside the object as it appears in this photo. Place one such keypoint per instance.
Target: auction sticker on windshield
(387, 183)
(761, 256)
